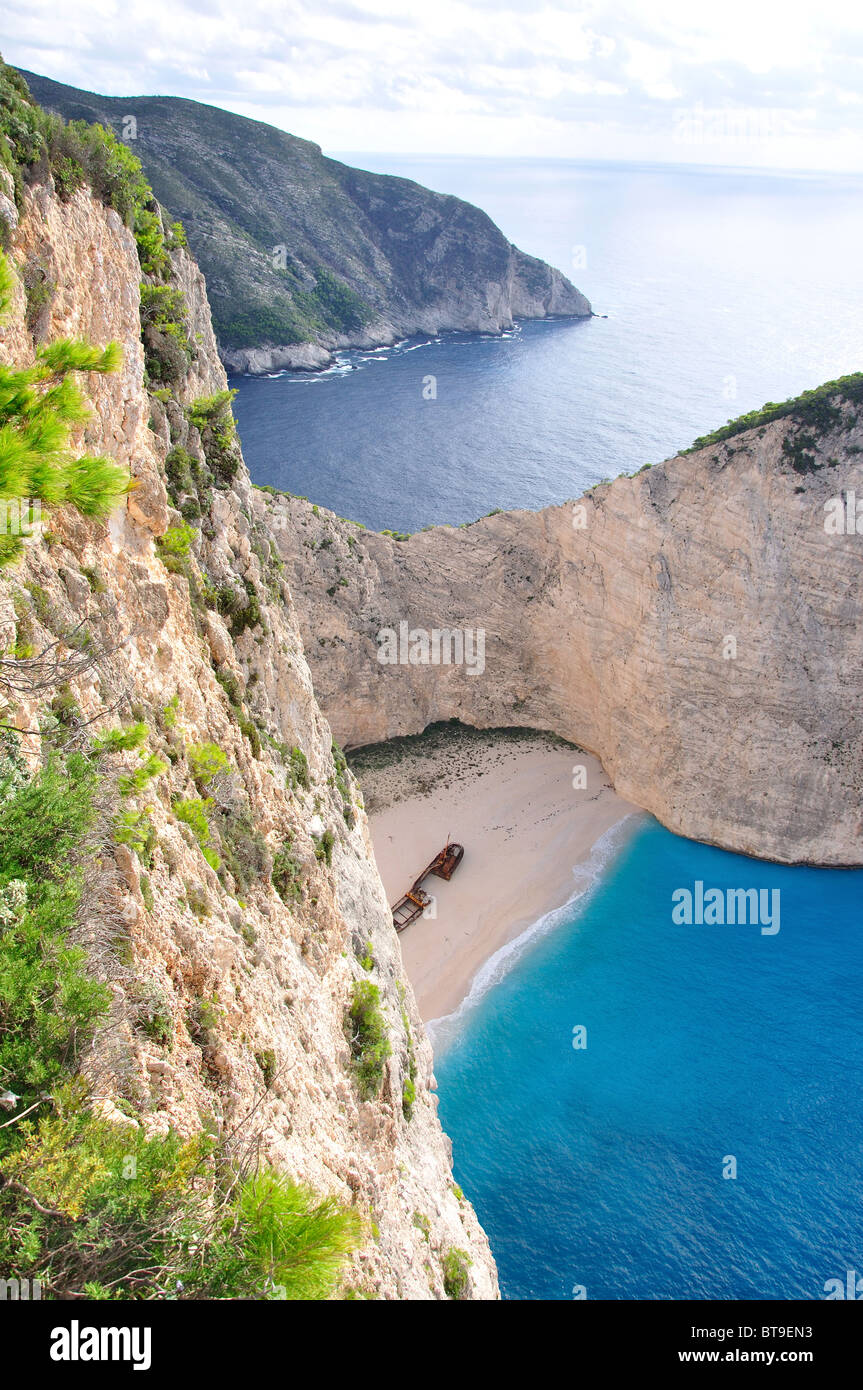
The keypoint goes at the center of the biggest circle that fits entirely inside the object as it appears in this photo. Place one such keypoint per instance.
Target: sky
(739, 82)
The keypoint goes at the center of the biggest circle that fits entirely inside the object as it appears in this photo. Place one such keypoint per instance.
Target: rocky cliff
(200, 643)
(697, 626)
(303, 254)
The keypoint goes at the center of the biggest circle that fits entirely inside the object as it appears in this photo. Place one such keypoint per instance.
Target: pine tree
(39, 407)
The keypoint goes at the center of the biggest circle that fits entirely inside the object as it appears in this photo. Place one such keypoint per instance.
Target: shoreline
(529, 838)
(308, 358)
(586, 875)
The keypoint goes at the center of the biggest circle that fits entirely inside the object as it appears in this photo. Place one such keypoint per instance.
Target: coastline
(508, 797)
(319, 358)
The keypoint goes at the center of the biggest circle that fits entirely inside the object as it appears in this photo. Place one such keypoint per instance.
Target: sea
(723, 290)
(646, 1110)
(639, 1108)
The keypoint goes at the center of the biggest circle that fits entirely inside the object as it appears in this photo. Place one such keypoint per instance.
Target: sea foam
(587, 875)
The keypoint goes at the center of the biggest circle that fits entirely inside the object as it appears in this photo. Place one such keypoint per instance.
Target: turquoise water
(602, 1167)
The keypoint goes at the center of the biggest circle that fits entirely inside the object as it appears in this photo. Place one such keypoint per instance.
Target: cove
(601, 1167)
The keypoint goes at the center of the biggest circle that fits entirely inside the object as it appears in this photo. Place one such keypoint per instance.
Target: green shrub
(206, 1018)
(324, 847)
(94, 579)
(244, 849)
(164, 324)
(193, 811)
(367, 1034)
(266, 1061)
(136, 829)
(128, 1216)
(39, 407)
(249, 730)
(41, 601)
(189, 483)
(169, 713)
(240, 606)
(133, 783)
(814, 409)
(175, 546)
(178, 471)
(65, 708)
(198, 903)
(48, 1004)
(409, 1095)
(213, 419)
(38, 143)
(298, 769)
(147, 893)
(177, 236)
(280, 1241)
(287, 874)
(206, 761)
(156, 1020)
(455, 1265)
(121, 740)
(162, 306)
(409, 1090)
(231, 686)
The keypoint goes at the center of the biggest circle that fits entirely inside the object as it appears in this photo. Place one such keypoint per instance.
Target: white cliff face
(695, 626)
(255, 989)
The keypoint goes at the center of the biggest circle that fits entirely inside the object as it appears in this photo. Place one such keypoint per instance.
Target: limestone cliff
(252, 987)
(303, 254)
(695, 626)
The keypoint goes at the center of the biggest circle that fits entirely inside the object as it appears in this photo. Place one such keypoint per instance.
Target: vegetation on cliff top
(812, 408)
(37, 143)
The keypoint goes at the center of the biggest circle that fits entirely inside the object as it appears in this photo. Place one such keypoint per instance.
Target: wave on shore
(588, 874)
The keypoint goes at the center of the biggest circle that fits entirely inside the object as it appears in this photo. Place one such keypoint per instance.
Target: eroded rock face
(695, 626)
(251, 990)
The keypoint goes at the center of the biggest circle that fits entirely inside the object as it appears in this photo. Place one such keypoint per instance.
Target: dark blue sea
(723, 290)
(602, 1168)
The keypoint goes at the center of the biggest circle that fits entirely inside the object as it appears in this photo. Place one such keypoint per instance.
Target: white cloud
(521, 77)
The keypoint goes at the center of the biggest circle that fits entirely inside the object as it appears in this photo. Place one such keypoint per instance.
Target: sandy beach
(509, 799)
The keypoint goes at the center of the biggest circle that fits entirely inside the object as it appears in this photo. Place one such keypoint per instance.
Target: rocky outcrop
(304, 255)
(251, 990)
(695, 626)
